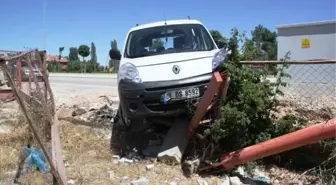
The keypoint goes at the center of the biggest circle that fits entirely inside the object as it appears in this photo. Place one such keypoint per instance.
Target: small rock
(110, 174)
(225, 180)
(149, 167)
(71, 182)
(117, 157)
(235, 181)
(241, 171)
(141, 181)
(125, 161)
(124, 179)
(78, 112)
(202, 181)
(276, 181)
(115, 161)
(173, 183)
(66, 165)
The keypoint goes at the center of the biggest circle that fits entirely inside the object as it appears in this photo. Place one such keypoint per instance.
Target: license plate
(181, 94)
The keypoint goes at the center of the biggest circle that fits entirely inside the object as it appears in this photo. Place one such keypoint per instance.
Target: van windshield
(168, 39)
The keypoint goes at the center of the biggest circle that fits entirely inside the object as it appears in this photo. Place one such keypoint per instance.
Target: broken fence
(26, 74)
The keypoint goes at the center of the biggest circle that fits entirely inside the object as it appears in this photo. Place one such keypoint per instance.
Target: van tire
(132, 125)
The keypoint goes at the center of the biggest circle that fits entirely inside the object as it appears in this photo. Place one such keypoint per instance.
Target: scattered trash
(263, 179)
(235, 181)
(226, 180)
(117, 157)
(71, 182)
(241, 171)
(125, 161)
(36, 160)
(202, 181)
(141, 181)
(173, 183)
(149, 167)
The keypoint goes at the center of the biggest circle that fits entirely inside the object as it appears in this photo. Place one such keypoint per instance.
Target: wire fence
(309, 81)
(26, 74)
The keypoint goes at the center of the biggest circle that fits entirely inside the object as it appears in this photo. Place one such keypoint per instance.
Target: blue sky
(70, 23)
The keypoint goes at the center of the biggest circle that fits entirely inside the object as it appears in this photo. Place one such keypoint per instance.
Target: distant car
(163, 66)
(25, 72)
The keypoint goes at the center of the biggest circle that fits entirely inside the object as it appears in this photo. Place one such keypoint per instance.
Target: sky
(70, 23)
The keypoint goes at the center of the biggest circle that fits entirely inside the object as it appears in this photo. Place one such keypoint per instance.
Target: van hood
(169, 58)
(161, 67)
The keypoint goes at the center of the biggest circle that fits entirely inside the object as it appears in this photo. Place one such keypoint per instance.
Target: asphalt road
(67, 86)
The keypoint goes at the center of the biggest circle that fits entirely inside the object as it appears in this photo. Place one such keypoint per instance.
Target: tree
(114, 44)
(61, 49)
(84, 51)
(60, 55)
(219, 39)
(116, 53)
(94, 56)
(73, 54)
(265, 41)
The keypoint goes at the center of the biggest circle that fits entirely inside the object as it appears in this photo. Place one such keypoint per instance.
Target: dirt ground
(87, 155)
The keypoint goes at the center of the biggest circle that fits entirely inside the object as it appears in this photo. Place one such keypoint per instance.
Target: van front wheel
(130, 124)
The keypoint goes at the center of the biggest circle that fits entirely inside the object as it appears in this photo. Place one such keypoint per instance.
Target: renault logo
(176, 69)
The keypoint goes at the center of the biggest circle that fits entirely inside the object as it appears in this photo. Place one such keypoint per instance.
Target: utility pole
(44, 24)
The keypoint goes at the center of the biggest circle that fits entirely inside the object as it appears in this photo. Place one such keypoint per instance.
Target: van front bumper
(141, 100)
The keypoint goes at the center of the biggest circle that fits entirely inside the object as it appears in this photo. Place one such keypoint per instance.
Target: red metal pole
(280, 144)
(208, 96)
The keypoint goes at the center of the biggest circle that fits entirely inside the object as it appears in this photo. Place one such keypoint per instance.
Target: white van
(162, 66)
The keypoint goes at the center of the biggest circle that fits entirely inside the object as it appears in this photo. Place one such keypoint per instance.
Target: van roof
(162, 23)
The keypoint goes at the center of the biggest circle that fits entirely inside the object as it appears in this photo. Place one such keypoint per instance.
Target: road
(66, 87)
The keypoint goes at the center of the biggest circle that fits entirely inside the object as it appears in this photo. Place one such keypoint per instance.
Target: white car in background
(162, 66)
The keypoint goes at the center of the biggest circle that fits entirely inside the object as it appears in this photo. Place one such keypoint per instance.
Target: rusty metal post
(280, 144)
(19, 73)
(206, 100)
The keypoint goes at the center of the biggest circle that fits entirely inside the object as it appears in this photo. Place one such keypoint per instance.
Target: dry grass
(87, 153)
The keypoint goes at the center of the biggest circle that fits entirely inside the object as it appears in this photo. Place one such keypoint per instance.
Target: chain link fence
(310, 82)
(26, 74)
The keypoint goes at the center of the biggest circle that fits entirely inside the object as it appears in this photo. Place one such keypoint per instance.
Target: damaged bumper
(140, 100)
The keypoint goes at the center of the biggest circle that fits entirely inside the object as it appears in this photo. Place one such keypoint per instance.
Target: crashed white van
(163, 65)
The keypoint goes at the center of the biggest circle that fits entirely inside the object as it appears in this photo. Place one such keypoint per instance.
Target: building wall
(307, 80)
(322, 42)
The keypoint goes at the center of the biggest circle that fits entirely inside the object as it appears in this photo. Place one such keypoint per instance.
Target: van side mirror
(115, 54)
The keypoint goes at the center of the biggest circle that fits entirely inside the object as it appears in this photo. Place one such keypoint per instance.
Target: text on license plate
(182, 94)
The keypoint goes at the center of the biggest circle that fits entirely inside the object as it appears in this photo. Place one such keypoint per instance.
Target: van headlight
(219, 58)
(128, 71)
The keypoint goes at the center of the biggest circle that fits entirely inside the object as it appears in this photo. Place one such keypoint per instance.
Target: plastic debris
(36, 160)
(263, 179)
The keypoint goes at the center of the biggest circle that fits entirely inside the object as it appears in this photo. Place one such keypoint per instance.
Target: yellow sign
(305, 43)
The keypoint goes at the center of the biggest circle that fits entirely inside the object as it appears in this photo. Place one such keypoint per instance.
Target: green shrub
(246, 118)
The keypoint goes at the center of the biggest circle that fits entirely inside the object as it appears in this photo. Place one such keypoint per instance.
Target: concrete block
(174, 143)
